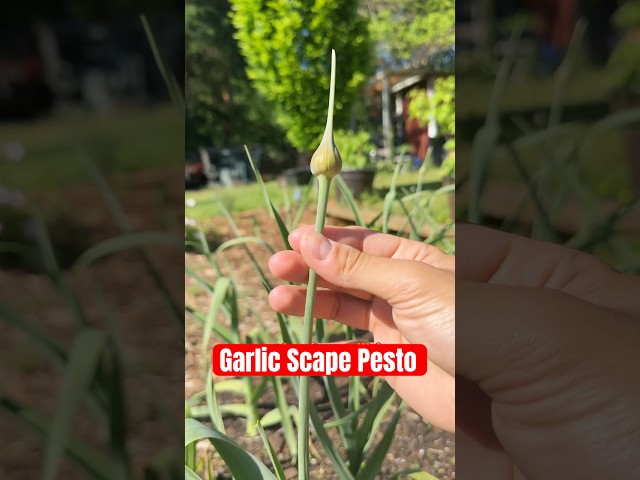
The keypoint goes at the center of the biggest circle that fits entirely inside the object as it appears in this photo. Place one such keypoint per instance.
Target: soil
(116, 295)
(416, 444)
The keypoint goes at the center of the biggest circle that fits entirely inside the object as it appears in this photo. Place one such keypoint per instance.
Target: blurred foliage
(222, 107)
(448, 167)
(627, 15)
(354, 148)
(411, 30)
(286, 46)
(441, 105)
(624, 62)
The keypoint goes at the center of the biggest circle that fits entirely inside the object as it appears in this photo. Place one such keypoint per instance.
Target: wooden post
(387, 128)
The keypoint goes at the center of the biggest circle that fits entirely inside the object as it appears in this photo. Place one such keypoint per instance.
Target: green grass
(249, 197)
(121, 142)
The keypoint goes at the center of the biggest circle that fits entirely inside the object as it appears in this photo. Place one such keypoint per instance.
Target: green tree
(441, 105)
(221, 105)
(411, 31)
(287, 44)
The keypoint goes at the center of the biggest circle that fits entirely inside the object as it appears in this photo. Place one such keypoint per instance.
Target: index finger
(380, 245)
(490, 256)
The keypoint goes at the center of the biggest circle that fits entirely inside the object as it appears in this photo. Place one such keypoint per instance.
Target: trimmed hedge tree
(286, 44)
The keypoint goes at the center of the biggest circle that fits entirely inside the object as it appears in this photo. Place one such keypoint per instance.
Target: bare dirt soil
(117, 296)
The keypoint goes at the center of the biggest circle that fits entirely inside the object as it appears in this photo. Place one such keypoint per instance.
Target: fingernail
(317, 245)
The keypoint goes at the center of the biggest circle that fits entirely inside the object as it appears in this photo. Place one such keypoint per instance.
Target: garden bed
(416, 444)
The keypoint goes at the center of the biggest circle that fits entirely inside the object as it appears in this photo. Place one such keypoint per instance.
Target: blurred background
(547, 119)
(91, 195)
(548, 122)
(247, 85)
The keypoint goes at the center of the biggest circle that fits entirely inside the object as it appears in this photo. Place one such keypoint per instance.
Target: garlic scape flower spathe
(325, 164)
(326, 160)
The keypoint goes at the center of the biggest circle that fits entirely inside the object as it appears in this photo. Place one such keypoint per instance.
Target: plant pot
(631, 138)
(358, 180)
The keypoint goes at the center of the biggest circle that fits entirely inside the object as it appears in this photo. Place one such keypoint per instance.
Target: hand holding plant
(400, 290)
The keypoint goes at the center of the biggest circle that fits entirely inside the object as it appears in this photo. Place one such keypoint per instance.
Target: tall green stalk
(325, 164)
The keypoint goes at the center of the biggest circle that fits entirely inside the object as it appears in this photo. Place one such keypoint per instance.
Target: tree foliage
(286, 46)
(221, 105)
(410, 31)
(441, 106)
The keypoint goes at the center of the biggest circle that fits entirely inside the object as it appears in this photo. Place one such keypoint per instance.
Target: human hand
(400, 290)
(547, 380)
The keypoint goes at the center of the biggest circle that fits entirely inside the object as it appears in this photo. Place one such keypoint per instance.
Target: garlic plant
(325, 164)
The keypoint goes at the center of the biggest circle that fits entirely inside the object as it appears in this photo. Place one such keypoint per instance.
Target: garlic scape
(325, 164)
(326, 160)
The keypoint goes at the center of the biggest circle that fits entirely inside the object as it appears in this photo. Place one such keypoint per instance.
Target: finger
(393, 280)
(498, 326)
(380, 245)
(289, 266)
(331, 305)
(487, 255)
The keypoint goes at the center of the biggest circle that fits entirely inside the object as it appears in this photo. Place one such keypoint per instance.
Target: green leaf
(169, 79)
(84, 357)
(327, 444)
(126, 242)
(190, 474)
(272, 454)
(224, 333)
(49, 346)
(237, 409)
(271, 418)
(282, 228)
(351, 202)
(376, 457)
(242, 241)
(199, 279)
(365, 431)
(219, 294)
(422, 476)
(241, 463)
(212, 403)
(286, 413)
(234, 385)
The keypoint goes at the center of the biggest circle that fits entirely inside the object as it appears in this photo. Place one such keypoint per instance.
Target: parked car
(231, 163)
(222, 165)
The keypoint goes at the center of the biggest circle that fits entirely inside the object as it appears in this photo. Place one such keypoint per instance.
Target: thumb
(348, 267)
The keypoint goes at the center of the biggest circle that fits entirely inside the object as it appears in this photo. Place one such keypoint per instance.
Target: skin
(547, 339)
(354, 282)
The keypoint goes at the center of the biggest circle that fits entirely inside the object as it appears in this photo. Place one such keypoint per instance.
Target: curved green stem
(303, 400)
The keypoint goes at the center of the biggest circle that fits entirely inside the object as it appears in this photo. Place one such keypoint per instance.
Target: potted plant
(358, 170)
(624, 64)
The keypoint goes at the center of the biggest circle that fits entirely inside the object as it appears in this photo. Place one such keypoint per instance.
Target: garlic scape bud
(326, 160)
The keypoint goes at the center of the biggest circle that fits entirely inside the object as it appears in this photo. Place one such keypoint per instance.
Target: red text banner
(343, 359)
